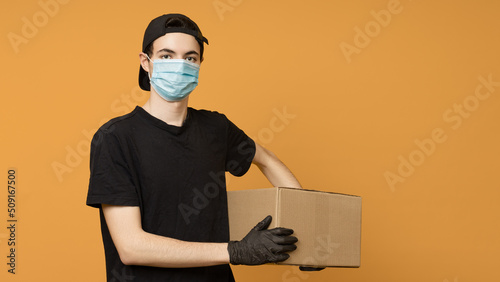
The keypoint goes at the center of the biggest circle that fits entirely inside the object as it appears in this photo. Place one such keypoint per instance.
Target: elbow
(127, 258)
(128, 255)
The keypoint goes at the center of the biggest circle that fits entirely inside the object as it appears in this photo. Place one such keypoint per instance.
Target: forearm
(275, 171)
(280, 175)
(152, 250)
(137, 247)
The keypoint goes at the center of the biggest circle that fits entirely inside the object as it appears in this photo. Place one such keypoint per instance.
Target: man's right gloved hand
(262, 245)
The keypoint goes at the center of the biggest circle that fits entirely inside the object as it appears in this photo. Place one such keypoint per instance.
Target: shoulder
(213, 120)
(208, 117)
(124, 121)
(206, 113)
(118, 126)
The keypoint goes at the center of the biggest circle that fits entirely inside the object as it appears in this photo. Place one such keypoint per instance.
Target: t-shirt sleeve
(110, 177)
(240, 150)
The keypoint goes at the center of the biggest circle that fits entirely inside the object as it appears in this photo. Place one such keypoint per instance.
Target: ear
(144, 61)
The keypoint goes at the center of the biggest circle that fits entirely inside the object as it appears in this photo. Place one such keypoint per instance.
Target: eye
(165, 57)
(191, 59)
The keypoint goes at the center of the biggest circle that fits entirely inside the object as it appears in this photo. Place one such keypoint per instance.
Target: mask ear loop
(151, 62)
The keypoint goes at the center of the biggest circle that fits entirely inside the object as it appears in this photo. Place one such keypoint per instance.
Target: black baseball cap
(157, 28)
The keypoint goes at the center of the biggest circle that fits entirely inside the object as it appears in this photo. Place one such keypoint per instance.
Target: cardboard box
(328, 225)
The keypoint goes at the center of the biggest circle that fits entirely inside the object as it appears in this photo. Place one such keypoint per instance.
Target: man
(157, 174)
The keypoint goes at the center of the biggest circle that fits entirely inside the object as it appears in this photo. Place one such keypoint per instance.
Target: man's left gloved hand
(262, 245)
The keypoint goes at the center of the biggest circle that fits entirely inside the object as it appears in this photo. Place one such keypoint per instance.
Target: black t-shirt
(176, 175)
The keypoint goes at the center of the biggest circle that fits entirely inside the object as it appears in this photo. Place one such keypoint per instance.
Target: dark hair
(177, 22)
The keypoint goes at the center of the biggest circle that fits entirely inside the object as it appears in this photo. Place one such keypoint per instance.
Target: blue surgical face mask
(174, 79)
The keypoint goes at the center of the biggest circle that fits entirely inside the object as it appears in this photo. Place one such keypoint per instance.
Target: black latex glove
(307, 268)
(262, 245)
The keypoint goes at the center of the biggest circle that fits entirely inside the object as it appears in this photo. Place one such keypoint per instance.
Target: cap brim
(144, 79)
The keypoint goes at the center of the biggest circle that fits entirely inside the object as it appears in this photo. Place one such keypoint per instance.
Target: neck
(172, 113)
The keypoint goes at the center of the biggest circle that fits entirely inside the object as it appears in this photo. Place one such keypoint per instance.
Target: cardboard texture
(328, 225)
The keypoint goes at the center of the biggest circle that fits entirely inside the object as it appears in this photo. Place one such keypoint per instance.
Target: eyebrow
(173, 52)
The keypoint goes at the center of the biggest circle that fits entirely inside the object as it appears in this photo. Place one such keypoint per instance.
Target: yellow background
(351, 120)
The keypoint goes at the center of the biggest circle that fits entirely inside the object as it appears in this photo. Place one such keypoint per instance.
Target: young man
(158, 174)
